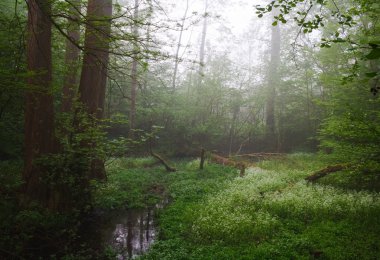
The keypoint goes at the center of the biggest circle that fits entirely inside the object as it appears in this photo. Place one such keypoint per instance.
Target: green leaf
(371, 74)
(274, 23)
(374, 54)
(338, 40)
(373, 45)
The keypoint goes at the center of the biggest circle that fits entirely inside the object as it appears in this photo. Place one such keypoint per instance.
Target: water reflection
(131, 232)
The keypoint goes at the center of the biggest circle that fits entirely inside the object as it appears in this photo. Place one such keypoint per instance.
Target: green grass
(272, 213)
(130, 188)
(132, 185)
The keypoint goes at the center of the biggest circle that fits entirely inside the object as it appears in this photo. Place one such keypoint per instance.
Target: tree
(13, 78)
(94, 69)
(72, 56)
(176, 58)
(39, 109)
(203, 43)
(273, 79)
(134, 82)
(348, 17)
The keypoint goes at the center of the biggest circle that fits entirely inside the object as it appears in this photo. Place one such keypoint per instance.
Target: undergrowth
(131, 183)
(271, 213)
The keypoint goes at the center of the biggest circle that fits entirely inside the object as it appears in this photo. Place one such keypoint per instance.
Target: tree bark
(39, 109)
(203, 44)
(134, 82)
(94, 69)
(71, 57)
(270, 131)
(203, 157)
(176, 61)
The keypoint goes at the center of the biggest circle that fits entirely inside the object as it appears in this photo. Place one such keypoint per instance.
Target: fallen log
(162, 161)
(326, 171)
(261, 155)
(228, 162)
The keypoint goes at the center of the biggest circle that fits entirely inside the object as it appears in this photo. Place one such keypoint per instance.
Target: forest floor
(271, 213)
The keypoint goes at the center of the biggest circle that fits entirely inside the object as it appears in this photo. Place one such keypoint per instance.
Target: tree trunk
(270, 131)
(176, 61)
(145, 77)
(39, 109)
(236, 110)
(134, 82)
(203, 157)
(71, 57)
(203, 44)
(94, 69)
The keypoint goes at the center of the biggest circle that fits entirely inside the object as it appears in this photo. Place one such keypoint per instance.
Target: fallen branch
(326, 171)
(162, 161)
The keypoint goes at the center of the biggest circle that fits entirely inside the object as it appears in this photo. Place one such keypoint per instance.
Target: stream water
(131, 232)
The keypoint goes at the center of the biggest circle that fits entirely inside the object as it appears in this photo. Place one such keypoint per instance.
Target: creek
(130, 232)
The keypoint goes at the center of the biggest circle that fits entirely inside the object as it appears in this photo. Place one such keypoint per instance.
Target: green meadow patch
(271, 213)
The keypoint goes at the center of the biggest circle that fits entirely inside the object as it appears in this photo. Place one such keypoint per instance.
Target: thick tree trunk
(134, 82)
(270, 131)
(39, 110)
(71, 57)
(96, 55)
(94, 70)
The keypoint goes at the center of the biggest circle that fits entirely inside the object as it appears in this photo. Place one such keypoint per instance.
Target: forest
(205, 129)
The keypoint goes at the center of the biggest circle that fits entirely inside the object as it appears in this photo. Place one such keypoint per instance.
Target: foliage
(129, 185)
(13, 77)
(348, 19)
(29, 232)
(352, 125)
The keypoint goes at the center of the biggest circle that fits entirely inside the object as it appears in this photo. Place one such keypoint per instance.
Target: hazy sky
(227, 22)
(234, 31)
